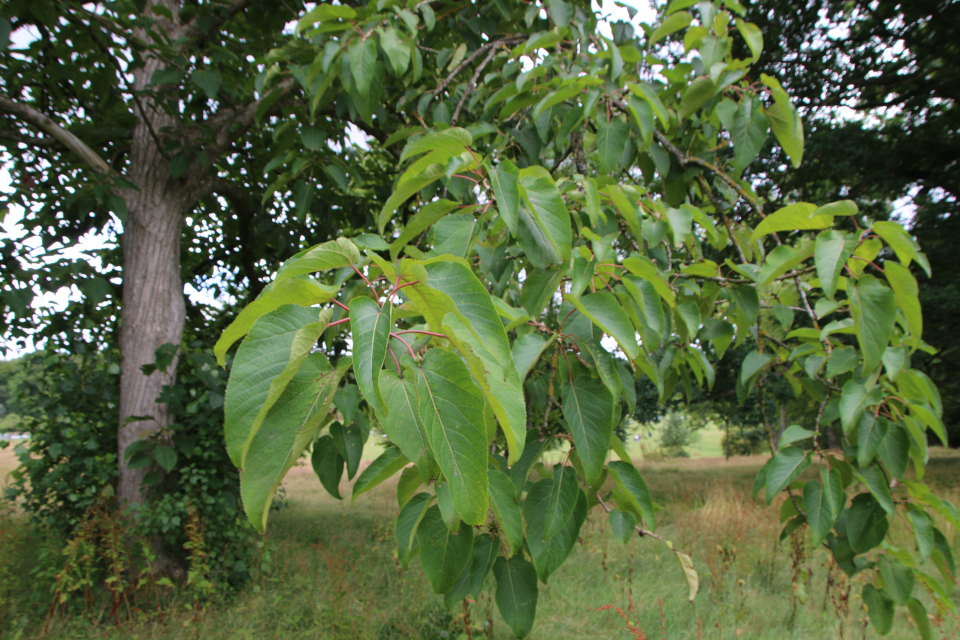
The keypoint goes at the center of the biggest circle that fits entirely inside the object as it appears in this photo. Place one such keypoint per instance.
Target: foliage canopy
(567, 214)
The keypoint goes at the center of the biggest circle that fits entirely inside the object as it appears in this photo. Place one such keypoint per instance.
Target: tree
(890, 66)
(567, 213)
(147, 122)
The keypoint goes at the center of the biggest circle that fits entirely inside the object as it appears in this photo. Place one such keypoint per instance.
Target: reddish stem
(395, 361)
(406, 344)
(333, 324)
(341, 305)
(425, 333)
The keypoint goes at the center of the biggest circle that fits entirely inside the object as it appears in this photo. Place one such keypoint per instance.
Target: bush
(70, 409)
(676, 434)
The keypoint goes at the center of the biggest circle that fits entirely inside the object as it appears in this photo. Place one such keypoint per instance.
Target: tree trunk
(154, 310)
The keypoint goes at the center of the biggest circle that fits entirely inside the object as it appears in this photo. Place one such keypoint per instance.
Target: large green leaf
(403, 192)
(516, 593)
(402, 423)
(411, 514)
(749, 132)
(635, 491)
(611, 142)
(784, 121)
(549, 555)
(363, 60)
(871, 430)
(877, 483)
(607, 313)
(285, 433)
(455, 302)
(793, 217)
(879, 609)
(788, 463)
(323, 257)
(623, 524)
(526, 351)
(588, 409)
(302, 291)
(349, 442)
(327, 464)
(674, 22)
(902, 243)
(269, 357)
(645, 269)
(507, 193)
(544, 223)
(420, 222)
(874, 310)
(563, 498)
(897, 577)
(906, 291)
(506, 508)
(920, 618)
(854, 400)
(370, 325)
(867, 524)
(451, 407)
(444, 554)
(820, 514)
(695, 95)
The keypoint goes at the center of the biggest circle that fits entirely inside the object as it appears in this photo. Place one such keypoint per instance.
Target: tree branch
(473, 56)
(58, 133)
(193, 31)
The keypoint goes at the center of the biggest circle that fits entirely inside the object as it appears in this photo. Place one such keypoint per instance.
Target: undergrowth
(329, 571)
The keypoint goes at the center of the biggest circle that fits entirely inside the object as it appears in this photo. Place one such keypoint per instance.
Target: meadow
(329, 571)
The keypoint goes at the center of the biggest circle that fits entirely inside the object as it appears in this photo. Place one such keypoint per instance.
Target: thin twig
(473, 56)
(471, 85)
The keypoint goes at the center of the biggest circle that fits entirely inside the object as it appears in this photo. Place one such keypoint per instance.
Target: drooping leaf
(635, 491)
(879, 609)
(588, 409)
(271, 354)
(403, 424)
(544, 223)
(507, 193)
(411, 514)
(788, 463)
(370, 325)
(611, 142)
(866, 523)
(607, 313)
(563, 498)
(451, 407)
(797, 216)
(323, 257)
(623, 524)
(549, 555)
(871, 431)
(897, 577)
(443, 553)
(516, 593)
(820, 514)
(874, 310)
(906, 291)
(506, 508)
(328, 465)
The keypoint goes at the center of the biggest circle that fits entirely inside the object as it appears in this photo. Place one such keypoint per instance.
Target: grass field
(334, 575)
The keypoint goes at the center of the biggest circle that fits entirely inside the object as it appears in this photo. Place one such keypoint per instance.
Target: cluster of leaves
(589, 226)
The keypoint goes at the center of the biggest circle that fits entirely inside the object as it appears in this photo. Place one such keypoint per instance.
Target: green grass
(330, 572)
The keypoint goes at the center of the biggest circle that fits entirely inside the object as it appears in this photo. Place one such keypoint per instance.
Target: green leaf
(832, 483)
(526, 351)
(411, 514)
(407, 485)
(749, 132)
(788, 463)
(624, 525)
(363, 62)
(794, 433)
(166, 457)
(420, 222)
(897, 577)
(611, 141)
(753, 364)
(695, 95)
(866, 523)
(785, 121)
(370, 325)
(563, 498)
(877, 484)
(588, 409)
(782, 259)
(398, 52)
(879, 608)
(323, 13)
(445, 501)
(794, 217)
(874, 311)
(673, 23)
(820, 514)
(485, 548)
(923, 530)
(403, 425)
(349, 442)
(327, 464)
(693, 580)
(902, 243)
(681, 224)
(635, 491)
(516, 593)
(451, 407)
(607, 313)
(208, 81)
(854, 399)
(871, 430)
(539, 288)
(507, 193)
(403, 192)
(323, 257)
(544, 222)
(894, 451)
(919, 614)
(506, 508)
(272, 353)
(444, 554)
(906, 291)
(642, 267)
(842, 359)
(752, 36)
(549, 555)
(385, 466)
